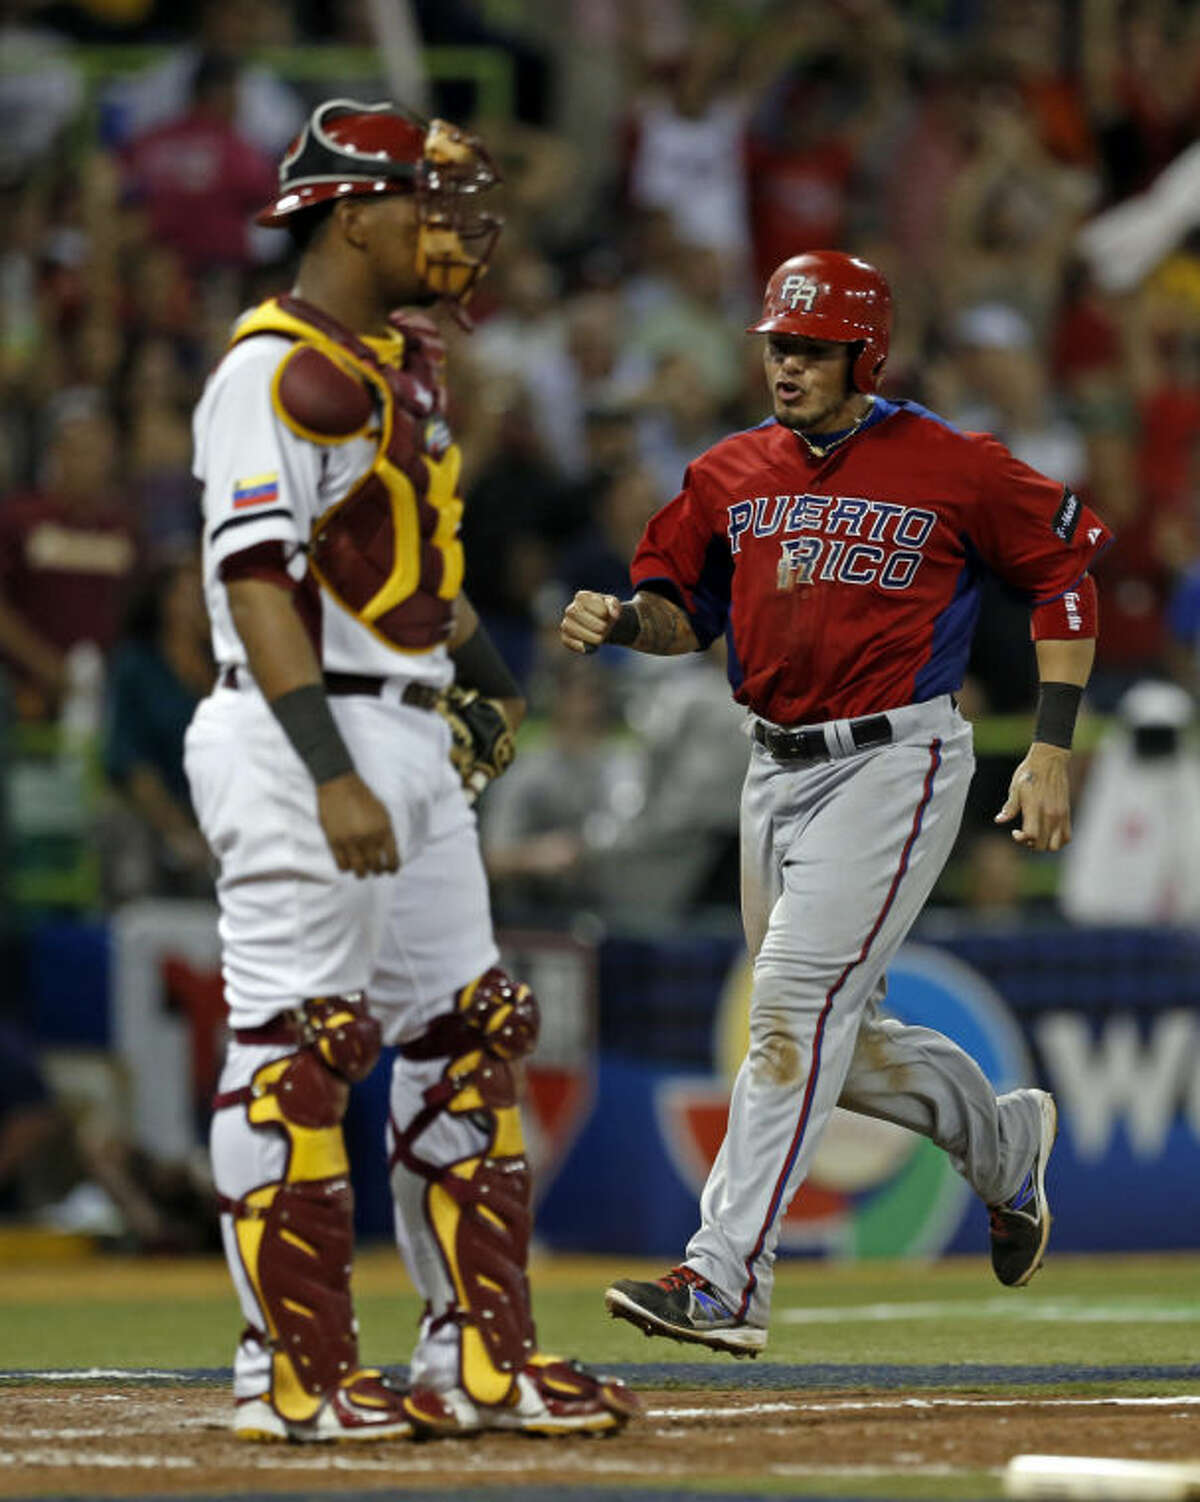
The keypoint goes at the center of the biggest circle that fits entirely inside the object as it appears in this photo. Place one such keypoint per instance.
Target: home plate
(1044, 1478)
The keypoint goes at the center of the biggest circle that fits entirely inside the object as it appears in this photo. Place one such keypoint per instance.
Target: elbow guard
(1075, 614)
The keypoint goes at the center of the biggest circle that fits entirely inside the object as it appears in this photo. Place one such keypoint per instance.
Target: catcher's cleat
(684, 1306)
(552, 1395)
(1020, 1227)
(558, 1396)
(362, 1409)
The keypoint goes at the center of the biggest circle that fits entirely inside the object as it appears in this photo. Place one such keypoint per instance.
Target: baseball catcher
(354, 907)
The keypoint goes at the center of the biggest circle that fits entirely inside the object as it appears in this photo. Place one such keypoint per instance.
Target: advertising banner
(642, 1036)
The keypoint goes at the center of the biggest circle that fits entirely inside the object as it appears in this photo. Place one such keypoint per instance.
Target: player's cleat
(362, 1409)
(553, 1395)
(684, 1306)
(256, 1421)
(1020, 1227)
(559, 1396)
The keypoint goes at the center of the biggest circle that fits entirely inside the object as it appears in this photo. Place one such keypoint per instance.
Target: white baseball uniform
(292, 925)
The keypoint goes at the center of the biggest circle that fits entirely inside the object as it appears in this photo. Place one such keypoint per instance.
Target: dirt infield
(120, 1440)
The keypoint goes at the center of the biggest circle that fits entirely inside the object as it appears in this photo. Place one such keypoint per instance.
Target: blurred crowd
(1026, 172)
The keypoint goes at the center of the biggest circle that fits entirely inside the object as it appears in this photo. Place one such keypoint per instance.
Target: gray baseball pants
(838, 858)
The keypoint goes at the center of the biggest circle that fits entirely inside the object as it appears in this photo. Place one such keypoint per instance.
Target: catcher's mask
(825, 294)
(347, 149)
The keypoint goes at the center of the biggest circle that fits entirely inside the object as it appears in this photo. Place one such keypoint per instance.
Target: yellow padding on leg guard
(291, 1398)
(293, 1240)
(288, 1394)
(478, 1208)
(317, 1152)
(468, 1096)
(479, 1213)
(483, 1380)
(509, 1141)
(248, 1227)
(295, 1236)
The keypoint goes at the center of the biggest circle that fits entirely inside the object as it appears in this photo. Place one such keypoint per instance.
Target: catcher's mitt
(482, 744)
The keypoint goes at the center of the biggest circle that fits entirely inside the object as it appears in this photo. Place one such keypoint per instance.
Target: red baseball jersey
(848, 583)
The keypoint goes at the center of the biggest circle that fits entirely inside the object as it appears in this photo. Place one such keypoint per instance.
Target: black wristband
(478, 665)
(626, 626)
(308, 723)
(1057, 706)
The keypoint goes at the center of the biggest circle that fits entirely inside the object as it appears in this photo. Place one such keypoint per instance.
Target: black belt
(419, 695)
(809, 744)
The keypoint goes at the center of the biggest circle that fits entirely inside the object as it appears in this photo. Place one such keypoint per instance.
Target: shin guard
(295, 1235)
(479, 1207)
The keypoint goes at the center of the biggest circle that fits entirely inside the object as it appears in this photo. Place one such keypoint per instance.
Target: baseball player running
(353, 904)
(839, 546)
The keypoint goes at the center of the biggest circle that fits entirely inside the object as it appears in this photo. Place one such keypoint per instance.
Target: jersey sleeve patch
(1074, 613)
(254, 471)
(1066, 518)
(256, 490)
(1034, 532)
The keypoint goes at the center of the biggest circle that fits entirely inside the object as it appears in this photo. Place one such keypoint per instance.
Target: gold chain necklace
(820, 451)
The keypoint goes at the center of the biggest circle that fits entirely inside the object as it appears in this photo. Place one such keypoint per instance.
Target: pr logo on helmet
(799, 291)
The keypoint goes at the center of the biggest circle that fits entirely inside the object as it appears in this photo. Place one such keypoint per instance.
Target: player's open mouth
(787, 392)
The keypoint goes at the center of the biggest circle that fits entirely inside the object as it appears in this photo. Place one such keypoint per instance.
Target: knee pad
(343, 1033)
(295, 1236)
(479, 1207)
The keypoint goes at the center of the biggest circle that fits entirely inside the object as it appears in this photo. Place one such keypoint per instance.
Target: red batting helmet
(824, 294)
(348, 150)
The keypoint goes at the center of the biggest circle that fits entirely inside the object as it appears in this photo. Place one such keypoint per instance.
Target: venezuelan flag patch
(255, 490)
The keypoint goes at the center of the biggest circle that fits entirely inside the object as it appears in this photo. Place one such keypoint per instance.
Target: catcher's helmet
(347, 149)
(825, 294)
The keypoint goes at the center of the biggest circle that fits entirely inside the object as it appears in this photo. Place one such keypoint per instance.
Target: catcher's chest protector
(388, 551)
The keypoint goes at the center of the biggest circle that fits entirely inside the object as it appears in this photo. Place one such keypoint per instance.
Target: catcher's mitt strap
(478, 665)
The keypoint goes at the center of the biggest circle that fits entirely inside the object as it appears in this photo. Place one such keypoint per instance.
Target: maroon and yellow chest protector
(388, 551)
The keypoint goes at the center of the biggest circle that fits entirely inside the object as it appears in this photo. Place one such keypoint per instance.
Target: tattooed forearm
(663, 628)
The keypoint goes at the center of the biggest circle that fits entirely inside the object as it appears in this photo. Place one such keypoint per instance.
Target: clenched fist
(589, 620)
